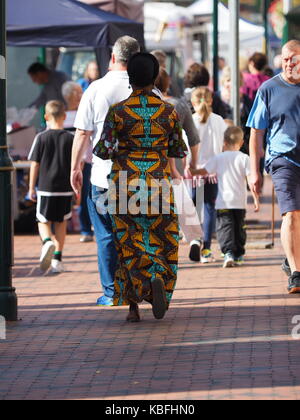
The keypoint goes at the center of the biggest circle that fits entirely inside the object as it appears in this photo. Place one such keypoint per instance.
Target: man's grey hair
(124, 48)
(68, 88)
(292, 45)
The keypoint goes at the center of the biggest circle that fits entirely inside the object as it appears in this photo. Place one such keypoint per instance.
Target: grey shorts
(286, 179)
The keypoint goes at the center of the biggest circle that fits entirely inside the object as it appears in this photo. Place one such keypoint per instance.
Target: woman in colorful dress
(142, 136)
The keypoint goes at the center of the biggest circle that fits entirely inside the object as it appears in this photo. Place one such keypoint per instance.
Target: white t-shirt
(70, 118)
(211, 136)
(111, 89)
(231, 168)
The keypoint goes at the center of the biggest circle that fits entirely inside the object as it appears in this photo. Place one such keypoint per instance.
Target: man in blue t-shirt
(276, 114)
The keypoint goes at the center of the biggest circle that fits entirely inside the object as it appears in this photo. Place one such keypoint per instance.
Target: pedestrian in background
(211, 128)
(232, 168)
(161, 57)
(51, 82)
(175, 88)
(196, 76)
(51, 163)
(91, 74)
(95, 103)
(256, 77)
(72, 93)
(163, 82)
(276, 114)
(245, 104)
(181, 170)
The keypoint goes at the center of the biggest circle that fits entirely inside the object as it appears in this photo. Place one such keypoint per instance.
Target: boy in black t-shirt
(51, 165)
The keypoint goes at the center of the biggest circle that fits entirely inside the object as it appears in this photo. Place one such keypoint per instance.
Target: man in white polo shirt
(92, 111)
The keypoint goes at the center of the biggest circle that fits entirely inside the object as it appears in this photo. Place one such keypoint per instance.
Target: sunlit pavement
(227, 335)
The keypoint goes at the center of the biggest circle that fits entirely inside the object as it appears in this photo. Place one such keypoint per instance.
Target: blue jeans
(107, 254)
(84, 217)
(210, 214)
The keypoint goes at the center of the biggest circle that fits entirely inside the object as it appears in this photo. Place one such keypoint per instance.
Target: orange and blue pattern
(140, 134)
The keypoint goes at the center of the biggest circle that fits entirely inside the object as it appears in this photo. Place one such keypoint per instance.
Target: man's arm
(254, 195)
(39, 101)
(256, 153)
(174, 171)
(34, 173)
(80, 145)
(195, 155)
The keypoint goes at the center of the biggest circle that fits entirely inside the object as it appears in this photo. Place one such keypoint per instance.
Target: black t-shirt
(52, 149)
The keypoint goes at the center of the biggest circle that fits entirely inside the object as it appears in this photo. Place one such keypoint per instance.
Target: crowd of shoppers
(142, 137)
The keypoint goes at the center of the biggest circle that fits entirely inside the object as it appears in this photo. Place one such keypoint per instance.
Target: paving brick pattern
(227, 334)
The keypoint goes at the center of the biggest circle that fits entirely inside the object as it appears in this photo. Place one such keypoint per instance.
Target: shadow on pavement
(60, 353)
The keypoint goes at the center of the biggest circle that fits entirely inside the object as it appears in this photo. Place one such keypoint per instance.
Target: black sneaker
(294, 283)
(286, 268)
(195, 251)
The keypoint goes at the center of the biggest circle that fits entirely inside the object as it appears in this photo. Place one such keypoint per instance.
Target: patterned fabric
(139, 135)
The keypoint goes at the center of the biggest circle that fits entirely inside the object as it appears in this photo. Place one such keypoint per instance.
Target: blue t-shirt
(277, 110)
(84, 83)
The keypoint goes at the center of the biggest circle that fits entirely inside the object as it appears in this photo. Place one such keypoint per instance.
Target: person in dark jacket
(51, 80)
(197, 75)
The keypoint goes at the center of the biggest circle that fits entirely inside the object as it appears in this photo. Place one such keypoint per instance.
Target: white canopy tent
(131, 9)
(167, 12)
(251, 36)
(164, 26)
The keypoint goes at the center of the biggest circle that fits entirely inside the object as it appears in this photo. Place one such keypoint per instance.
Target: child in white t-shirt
(211, 128)
(232, 168)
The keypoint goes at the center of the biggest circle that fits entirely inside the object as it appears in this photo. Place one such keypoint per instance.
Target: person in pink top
(256, 77)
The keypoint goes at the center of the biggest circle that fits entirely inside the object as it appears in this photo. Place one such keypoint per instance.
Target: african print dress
(139, 135)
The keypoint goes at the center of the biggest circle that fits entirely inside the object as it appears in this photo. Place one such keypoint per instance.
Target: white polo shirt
(112, 88)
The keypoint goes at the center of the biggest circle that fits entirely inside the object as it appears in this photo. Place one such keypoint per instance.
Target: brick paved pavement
(227, 334)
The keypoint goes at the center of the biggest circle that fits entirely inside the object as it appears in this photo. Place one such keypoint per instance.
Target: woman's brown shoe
(134, 314)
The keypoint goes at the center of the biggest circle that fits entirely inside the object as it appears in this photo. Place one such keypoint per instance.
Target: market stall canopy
(251, 36)
(205, 8)
(65, 23)
(168, 13)
(164, 23)
(131, 9)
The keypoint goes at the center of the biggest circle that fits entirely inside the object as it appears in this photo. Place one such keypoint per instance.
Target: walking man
(92, 111)
(276, 113)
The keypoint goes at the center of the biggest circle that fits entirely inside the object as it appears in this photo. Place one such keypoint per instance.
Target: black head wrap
(143, 69)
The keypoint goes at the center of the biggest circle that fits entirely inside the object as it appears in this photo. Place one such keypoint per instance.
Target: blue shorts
(286, 179)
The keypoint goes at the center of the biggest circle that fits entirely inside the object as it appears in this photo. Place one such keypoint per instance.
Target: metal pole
(8, 297)
(43, 60)
(287, 6)
(216, 45)
(234, 9)
(266, 26)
